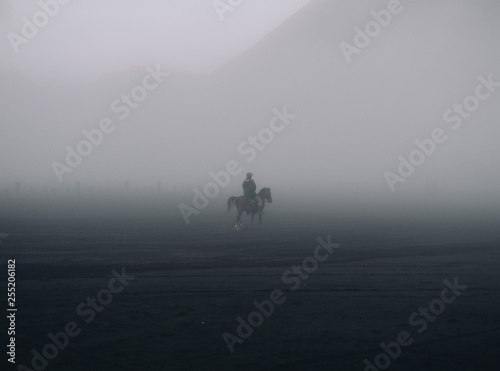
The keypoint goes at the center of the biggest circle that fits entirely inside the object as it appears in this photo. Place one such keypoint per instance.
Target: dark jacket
(249, 188)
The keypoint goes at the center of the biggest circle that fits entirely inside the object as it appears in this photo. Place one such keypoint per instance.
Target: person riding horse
(249, 188)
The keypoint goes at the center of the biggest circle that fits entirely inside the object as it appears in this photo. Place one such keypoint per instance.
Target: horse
(243, 203)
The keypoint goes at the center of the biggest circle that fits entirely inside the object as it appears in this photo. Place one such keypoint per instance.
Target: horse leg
(238, 215)
(251, 219)
(260, 220)
(239, 223)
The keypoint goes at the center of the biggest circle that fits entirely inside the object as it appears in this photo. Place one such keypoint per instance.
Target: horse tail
(230, 203)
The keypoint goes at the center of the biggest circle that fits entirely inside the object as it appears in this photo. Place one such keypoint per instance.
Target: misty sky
(94, 37)
(354, 118)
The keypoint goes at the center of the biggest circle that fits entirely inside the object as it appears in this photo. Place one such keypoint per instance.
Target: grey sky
(94, 37)
(354, 120)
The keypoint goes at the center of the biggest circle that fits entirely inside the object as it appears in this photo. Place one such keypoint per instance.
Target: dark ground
(192, 283)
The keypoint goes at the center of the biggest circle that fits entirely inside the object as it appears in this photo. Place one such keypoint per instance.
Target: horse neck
(261, 194)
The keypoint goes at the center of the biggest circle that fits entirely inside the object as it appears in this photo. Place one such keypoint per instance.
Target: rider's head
(249, 175)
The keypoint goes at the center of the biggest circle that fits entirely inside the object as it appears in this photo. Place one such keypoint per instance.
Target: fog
(326, 121)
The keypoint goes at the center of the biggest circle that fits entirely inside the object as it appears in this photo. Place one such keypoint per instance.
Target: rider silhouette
(249, 188)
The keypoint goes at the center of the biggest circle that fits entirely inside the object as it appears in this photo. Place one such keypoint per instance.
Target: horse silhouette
(243, 203)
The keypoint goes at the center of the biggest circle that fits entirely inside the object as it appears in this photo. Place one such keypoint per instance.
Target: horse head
(265, 194)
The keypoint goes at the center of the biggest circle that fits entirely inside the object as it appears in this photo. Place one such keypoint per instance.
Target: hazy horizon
(280, 97)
